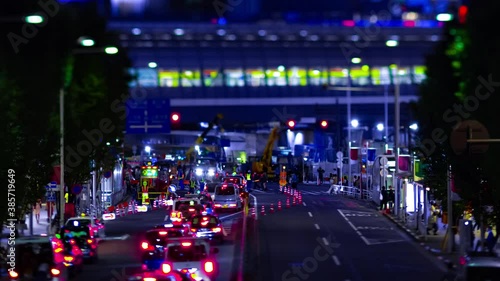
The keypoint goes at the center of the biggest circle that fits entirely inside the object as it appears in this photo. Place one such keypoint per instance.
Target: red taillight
(68, 258)
(193, 229)
(166, 268)
(462, 260)
(191, 210)
(186, 244)
(216, 229)
(13, 274)
(162, 233)
(55, 272)
(146, 246)
(209, 267)
(58, 250)
(72, 241)
(90, 241)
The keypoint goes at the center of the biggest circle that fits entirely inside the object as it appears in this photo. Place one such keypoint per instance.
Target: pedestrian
(37, 210)
(383, 198)
(391, 197)
(320, 175)
(490, 239)
(432, 223)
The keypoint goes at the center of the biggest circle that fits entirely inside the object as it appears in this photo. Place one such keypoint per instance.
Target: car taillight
(186, 244)
(193, 229)
(209, 267)
(166, 268)
(191, 210)
(162, 233)
(146, 246)
(13, 274)
(55, 272)
(58, 250)
(217, 205)
(216, 229)
(148, 279)
(68, 258)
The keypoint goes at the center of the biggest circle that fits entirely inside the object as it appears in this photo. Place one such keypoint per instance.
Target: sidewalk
(435, 244)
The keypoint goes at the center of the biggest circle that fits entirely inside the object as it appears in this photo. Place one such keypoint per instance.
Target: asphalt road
(330, 237)
(119, 253)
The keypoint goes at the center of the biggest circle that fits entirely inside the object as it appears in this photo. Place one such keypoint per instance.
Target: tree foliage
(457, 89)
(32, 72)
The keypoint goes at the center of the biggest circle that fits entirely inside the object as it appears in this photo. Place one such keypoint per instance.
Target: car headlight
(199, 172)
(211, 172)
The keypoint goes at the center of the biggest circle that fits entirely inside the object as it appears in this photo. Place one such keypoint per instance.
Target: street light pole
(348, 96)
(397, 192)
(62, 199)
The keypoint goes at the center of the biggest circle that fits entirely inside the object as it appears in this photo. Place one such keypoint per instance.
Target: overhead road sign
(149, 116)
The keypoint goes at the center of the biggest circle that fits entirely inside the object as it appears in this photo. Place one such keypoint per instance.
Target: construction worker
(192, 185)
(202, 185)
(249, 180)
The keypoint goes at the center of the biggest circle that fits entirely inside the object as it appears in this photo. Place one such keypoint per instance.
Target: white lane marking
(317, 226)
(255, 205)
(354, 228)
(325, 241)
(336, 260)
(228, 216)
(304, 203)
(311, 215)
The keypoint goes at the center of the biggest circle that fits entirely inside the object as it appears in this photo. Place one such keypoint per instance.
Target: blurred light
(303, 33)
(444, 17)
(34, 19)
(204, 124)
(221, 32)
(176, 117)
(179, 32)
(108, 143)
(409, 23)
(111, 50)
(391, 43)
(354, 123)
(136, 31)
(147, 149)
(414, 126)
(324, 124)
(380, 127)
(222, 21)
(393, 66)
(410, 16)
(152, 65)
(86, 42)
(356, 60)
(462, 14)
(281, 68)
(348, 23)
(291, 123)
(262, 32)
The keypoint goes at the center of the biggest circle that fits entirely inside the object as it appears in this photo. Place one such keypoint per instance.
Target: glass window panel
(276, 76)
(212, 78)
(234, 77)
(318, 76)
(338, 76)
(190, 78)
(380, 76)
(168, 78)
(256, 77)
(418, 74)
(402, 74)
(145, 77)
(360, 76)
(297, 76)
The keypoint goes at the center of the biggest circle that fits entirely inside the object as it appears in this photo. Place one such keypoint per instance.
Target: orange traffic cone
(288, 203)
(263, 211)
(279, 205)
(300, 199)
(271, 209)
(294, 202)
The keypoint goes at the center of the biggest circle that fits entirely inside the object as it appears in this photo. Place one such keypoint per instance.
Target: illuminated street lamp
(414, 126)
(444, 17)
(86, 42)
(111, 50)
(380, 127)
(34, 19)
(354, 123)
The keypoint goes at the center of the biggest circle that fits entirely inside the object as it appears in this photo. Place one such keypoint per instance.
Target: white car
(45, 253)
(191, 255)
(227, 196)
(95, 225)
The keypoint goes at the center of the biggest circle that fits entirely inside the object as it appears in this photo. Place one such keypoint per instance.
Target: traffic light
(291, 124)
(175, 117)
(462, 14)
(323, 124)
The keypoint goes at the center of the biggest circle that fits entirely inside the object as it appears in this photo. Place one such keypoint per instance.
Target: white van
(227, 196)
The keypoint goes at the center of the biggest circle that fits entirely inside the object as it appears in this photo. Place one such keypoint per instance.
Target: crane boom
(203, 135)
(268, 150)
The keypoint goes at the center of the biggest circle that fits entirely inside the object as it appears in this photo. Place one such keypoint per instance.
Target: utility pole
(397, 191)
(449, 230)
(62, 199)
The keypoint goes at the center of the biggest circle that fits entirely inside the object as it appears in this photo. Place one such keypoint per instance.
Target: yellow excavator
(265, 164)
(190, 154)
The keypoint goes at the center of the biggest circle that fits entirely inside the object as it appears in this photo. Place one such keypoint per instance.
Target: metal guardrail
(351, 191)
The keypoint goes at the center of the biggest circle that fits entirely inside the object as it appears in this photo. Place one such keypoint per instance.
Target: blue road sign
(150, 116)
(77, 189)
(50, 197)
(53, 185)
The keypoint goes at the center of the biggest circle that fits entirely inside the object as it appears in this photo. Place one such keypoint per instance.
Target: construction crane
(199, 140)
(265, 164)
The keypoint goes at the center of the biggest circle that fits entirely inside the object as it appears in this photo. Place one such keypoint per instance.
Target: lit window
(212, 78)
(255, 77)
(338, 76)
(276, 76)
(318, 76)
(418, 74)
(380, 76)
(144, 77)
(190, 78)
(234, 77)
(360, 76)
(297, 76)
(401, 74)
(168, 78)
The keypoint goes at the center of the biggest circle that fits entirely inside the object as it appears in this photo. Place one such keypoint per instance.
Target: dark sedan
(207, 226)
